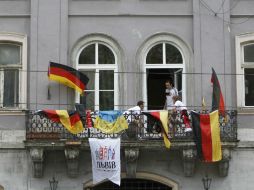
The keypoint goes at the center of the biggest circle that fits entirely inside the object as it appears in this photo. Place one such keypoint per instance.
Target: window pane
(9, 54)
(87, 56)
(11, 88)
(249, 87)
(173, 55)
(91, 75)
(249, 53)
(107, 80)
(106, 100)
(106, 56)
(155, 56)
(88, 100)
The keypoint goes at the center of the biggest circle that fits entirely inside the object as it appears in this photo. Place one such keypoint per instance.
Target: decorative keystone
(37, 156)
(189, 159)
(131, 157)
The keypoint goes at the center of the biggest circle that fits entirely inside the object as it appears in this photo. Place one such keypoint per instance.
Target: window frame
(241, 41)
(99, 67)
(17, 39)
(183, 48)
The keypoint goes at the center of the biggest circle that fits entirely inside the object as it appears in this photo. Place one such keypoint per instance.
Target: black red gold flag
(217, 101)
(163, 118)
(68, 76)
(70, 120)
(206, 132)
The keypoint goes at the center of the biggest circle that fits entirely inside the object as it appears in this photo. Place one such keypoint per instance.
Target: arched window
(132, 184)
(142, 181)
(163, 59)
(98, 61)
(245, 70)
(13, 57)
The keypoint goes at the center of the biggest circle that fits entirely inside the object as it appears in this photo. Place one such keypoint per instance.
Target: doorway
(156, 85)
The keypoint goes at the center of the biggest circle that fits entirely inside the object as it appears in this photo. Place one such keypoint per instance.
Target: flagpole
(203, 105)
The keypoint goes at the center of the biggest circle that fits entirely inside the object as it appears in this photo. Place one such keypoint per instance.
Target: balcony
(141, 134)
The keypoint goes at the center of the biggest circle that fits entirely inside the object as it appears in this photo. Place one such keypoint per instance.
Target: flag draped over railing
(206, 132)
(67, 76)
(70, 120)
(110, 122)
(162, 117)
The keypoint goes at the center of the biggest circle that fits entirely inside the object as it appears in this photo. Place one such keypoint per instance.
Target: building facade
(127, 48)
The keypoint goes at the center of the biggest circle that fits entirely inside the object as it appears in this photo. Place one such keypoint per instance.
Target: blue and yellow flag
(110, 122)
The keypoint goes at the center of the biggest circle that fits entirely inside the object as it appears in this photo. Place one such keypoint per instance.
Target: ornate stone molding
(131, 158)
(37, 156)
(189, 159)
(224, 163)
(72, 160)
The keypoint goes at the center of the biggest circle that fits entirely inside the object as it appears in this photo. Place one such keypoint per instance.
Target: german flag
(67, 76)
(217, 101)
(163, 118)
(207, 135)
(70, 120)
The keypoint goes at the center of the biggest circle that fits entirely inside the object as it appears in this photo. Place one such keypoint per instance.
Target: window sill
(245, 110)
(12, 111)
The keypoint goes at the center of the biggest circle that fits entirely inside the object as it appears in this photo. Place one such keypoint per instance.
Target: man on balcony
(170, 92)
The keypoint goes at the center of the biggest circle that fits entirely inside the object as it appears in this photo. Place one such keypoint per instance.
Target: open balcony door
(155, 90)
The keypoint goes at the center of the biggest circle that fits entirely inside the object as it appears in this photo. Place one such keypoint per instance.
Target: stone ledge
(12, 145)
(142, 144)
(246, 144)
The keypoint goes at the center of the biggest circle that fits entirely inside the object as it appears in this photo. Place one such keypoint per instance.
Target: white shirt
(134, 110)
(180, 106)
(172, 92)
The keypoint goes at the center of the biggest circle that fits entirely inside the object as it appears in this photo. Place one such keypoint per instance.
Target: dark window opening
(155, 55)
(156, 86)
(87, 56)
(249, 87)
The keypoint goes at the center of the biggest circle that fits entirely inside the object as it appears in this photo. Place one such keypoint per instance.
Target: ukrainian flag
(110, 122)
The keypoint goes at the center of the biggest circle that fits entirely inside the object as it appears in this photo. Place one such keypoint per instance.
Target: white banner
(106, 163)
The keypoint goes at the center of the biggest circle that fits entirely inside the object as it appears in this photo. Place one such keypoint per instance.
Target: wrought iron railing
(140, 128)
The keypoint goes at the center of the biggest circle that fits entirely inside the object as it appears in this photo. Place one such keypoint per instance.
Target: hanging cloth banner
(106, 163)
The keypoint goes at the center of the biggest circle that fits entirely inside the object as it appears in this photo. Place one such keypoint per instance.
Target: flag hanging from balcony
(70, 120)
(106, 162)
(110, 122)
(68, 76)
(162, 117)
(217, 101)
(206, 131)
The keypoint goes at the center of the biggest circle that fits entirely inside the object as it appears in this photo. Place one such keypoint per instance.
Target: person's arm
(165, 105)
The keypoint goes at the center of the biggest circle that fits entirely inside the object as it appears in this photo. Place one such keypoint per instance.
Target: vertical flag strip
(162, 117)
(71, 121)
(217, 101)
(68, 76)
(206, 131)
(106, 163)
